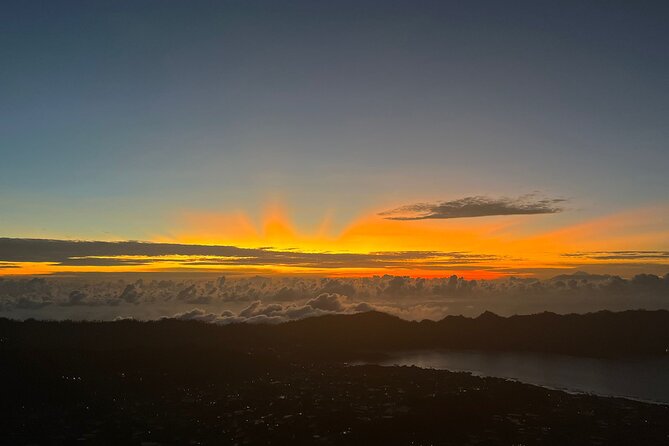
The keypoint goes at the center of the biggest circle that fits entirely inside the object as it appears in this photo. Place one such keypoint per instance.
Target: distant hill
(600, 334)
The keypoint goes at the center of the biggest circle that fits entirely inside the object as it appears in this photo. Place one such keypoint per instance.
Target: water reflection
(642, 378)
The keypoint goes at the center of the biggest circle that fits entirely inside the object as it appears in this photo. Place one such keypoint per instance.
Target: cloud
(196, 314)
(130, 294)
(76, 297)
(620, 255)
(129, 253)
(193, 295)
(257, 312)
(419, 298)
(477, 206)
(276, 299)
(27, 303)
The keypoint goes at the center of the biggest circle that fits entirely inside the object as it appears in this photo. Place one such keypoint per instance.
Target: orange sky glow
(508, 245)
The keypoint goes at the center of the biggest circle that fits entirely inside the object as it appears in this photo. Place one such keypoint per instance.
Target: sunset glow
(490, 248)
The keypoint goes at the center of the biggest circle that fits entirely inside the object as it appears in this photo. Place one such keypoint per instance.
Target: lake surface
(640, 379)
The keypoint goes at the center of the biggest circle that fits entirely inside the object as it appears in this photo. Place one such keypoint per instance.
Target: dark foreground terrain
(174, 382)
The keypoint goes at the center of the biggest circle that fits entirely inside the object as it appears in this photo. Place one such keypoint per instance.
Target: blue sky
(119, 116)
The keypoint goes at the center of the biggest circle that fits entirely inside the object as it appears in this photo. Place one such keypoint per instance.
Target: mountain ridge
(599, 334)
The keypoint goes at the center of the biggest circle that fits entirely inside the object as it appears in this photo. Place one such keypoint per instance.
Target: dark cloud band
(96, 253)
(478, 206)
(619, 255)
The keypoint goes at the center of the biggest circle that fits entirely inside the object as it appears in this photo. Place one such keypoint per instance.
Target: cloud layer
(237, 299)
(43, 257)
(256, 312)
(477, 206)
(620, 255)
(128, 253)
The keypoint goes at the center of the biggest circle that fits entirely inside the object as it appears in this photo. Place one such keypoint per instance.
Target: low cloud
(275, 299)
(76, 297)
(257, 312)
(131, 294)
(477, 206)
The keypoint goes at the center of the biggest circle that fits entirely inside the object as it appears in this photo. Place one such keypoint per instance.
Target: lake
(645, 379)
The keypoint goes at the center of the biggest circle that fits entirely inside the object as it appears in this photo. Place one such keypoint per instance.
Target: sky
(484, 139)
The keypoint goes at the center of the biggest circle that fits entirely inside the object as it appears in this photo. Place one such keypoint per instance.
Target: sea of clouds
(276, 299)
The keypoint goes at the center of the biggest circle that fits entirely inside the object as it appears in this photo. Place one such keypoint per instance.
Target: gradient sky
(293, 124)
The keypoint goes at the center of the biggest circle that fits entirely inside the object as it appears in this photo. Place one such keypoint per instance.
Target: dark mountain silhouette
(187, 382)
(598, 334)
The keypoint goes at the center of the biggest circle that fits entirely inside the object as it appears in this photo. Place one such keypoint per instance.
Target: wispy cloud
(477, 206)
(620, 255)
(129, 253)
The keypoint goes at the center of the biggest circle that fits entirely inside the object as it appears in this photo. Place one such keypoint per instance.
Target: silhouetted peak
(582, 275)
(489, 315)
